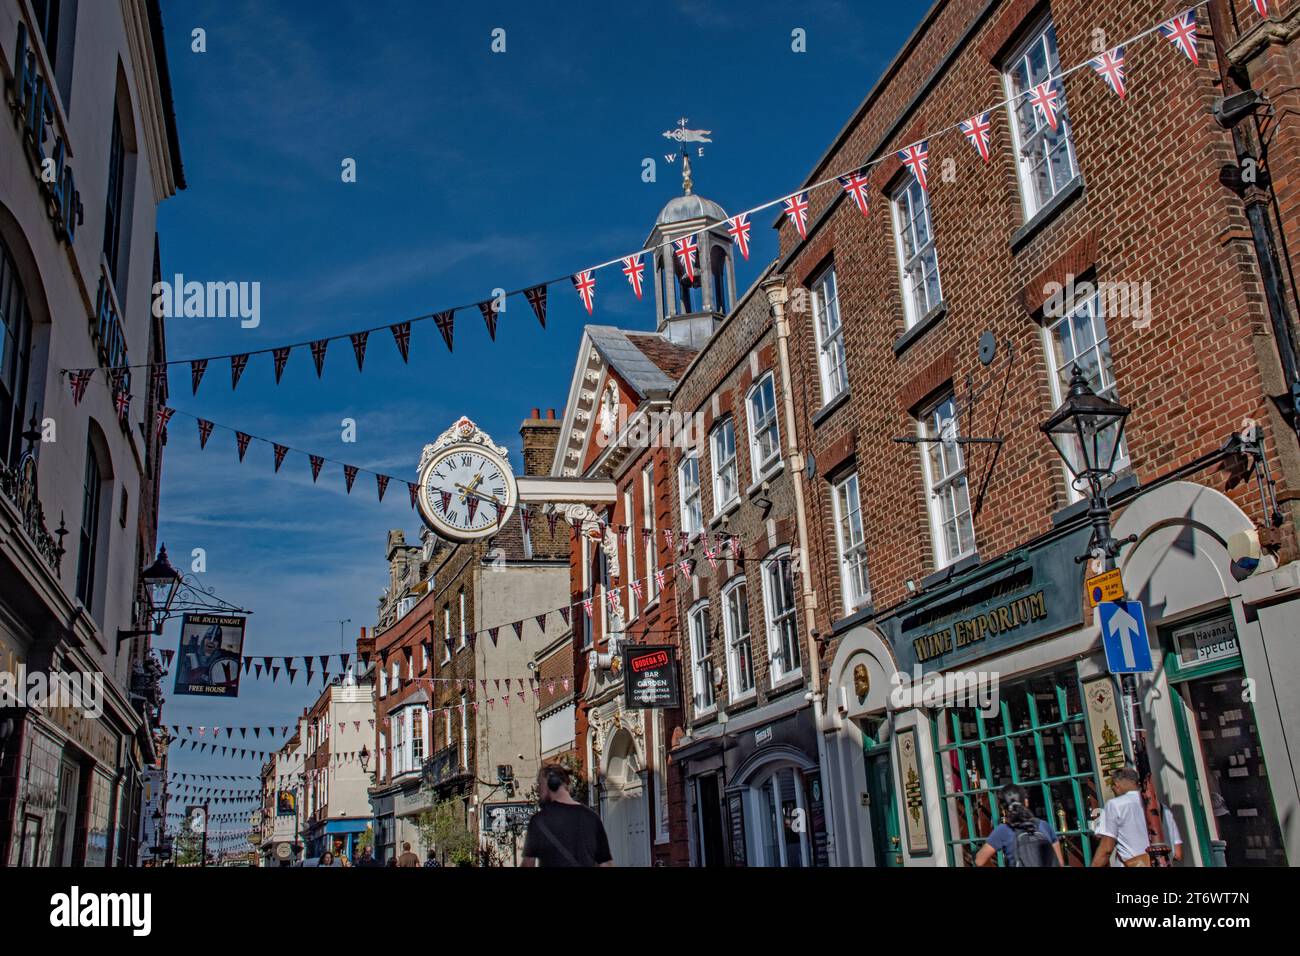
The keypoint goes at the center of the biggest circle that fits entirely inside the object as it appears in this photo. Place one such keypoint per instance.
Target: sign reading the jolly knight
(466, 487)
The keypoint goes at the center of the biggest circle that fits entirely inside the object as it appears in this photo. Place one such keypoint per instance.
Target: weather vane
(683, 136)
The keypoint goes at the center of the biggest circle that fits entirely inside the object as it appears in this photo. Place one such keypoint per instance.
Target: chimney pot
(550, 414)
(537, 413)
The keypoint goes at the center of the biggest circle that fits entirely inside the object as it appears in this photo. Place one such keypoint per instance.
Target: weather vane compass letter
(683, 136)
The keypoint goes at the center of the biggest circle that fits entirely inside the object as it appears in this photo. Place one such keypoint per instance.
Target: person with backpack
(1024, 839)
(563, 832)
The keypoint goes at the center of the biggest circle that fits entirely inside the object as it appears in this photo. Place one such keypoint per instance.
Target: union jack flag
(402, 336)
(738, 230)
(1261, 7)
(855, 184)
(976, 130)
(636, 588)
(916, 158)
(445, 322)
(659, 577)
(1110, 67)
(1180, 30)
(686, 566)
(122, 401)
(164, 416)
(685, 249)
(281, 356)
(633, 268)
(1044, 98)
(796, 210)
(585, 283)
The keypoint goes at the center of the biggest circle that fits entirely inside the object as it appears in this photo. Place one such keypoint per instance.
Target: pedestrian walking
(1173, 836)
(1023, 839)
(1122, 825)
(430, 858)
(327, 859)
(563, 832)
(407, 858)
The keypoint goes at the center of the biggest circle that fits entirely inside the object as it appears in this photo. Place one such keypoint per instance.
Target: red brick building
(931, 337)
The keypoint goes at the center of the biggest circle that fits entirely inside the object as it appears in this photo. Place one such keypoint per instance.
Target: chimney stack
(540, 438)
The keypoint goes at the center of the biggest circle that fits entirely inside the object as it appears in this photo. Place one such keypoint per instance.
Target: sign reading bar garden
(650, 676)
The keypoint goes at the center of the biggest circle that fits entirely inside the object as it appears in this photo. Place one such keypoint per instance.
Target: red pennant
(205, 432)
(564, 613)
(536, 297)
(237, 365)
(316, 462)
(541, 623)
(402, 336)
(445, 498)
(280, 452)
(519, 629)
(318, 354)
(197, 368)
(413, 490)
(585, 284)
(241, 439)
(381, 482)
(445, 322)
(349, 476)
(471, 504)
(281, 357)
(492, 633)
(489, 311)
(551, 518)
(79, 380)
(359, 347)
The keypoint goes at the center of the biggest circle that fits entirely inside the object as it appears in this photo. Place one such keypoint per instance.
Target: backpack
(1032, 847)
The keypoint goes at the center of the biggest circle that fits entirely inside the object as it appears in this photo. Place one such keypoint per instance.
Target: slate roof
(646, 361)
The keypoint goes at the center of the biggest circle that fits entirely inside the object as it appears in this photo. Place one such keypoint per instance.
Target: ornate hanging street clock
(466, 487)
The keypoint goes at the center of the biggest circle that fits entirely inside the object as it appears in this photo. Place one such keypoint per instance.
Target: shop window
(782, 818)
(1038, 741)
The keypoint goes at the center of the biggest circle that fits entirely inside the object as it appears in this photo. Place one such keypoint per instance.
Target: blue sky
(475, 170)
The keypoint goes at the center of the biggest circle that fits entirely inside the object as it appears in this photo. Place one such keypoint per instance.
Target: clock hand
(469, 490)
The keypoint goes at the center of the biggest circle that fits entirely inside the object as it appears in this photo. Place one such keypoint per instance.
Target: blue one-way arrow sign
(1124, 635)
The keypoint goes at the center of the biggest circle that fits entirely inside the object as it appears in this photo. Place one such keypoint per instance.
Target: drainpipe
(777, 296)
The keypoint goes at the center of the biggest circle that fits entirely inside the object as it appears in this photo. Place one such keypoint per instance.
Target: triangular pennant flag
(519, 629)
(280, 452)
(738, 229)
(1180, 30)
(685, 249)
(445, 322)
(585, 283)
(318, 355)
(976, 130)
(237, 365)
(197, 368)
(381, 483)
(489, 310)
(916, 159)
(564, 613)
(541, 622)
(1261, 7)
(444, 498)
(164, 416)
(413, 490)
(402, 336)
(280, 357)
(471, 506)
(349, 476)
(536, 297)
(634, 269)
(796, 210)
(316, 462)
(526, 518)
(856, 185)
(1044, 97)
(359, 347)
(492, 633)
(79, 380)
(1110, 67)
(551, 518)
(242, 439)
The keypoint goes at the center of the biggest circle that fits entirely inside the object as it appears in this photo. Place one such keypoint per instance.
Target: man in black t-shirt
(564, 832)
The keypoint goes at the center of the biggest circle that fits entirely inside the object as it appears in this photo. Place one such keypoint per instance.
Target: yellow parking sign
(1107, 586)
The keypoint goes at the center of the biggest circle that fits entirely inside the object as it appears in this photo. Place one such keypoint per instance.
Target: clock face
(466, 491)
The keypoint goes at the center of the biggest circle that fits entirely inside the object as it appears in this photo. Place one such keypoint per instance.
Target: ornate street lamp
(161, 582)
(1086, 431)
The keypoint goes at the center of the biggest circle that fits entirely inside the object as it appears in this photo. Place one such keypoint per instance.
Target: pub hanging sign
(650, 677)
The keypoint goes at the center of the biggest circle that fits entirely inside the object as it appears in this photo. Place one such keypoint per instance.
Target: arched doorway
(623, 803)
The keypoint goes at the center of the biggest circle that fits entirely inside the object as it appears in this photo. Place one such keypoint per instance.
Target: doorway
(886, 839)
(625, 806)
(708, 803)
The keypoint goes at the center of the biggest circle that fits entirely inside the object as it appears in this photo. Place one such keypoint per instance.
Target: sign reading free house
(1012, 600)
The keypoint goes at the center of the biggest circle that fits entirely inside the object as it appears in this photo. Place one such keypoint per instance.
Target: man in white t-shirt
(1122, 826)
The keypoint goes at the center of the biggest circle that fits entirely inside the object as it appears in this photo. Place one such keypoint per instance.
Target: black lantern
(1087, 430)
(365, 758)
(161, 582)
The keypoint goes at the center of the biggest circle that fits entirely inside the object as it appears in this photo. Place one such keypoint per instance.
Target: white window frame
(828, 327)
(464, 634)
(629, 512)
(760, 466)
(1028, 143)
(697, 623)
(383, 682)
(648, 541)
(446, 632)
(852, 553)
(916, 295)
(777, 619)
(736, 640)
(692, 518)
(417, 715)
(724, 464)
(1103, 383)
(464, 730)
(936, 485)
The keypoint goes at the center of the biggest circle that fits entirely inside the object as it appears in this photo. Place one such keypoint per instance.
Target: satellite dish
(988, 347)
